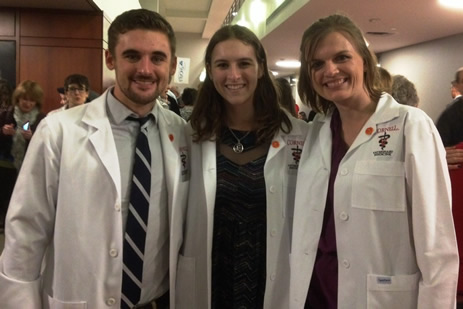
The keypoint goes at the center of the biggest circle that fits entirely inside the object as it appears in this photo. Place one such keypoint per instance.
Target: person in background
(8, 171)
(175, 91)
(450, 122)
(70, 238)
(173, 102)
(454, 157)
(188, 99)
(385, 79)
(303, 116)
(62, 96)
(27, 100)
(5, 95)
(244, 159)
(286, 96)
(454, 92)
(76, 87)
(372, 222)
(404, 91)
(169, 101)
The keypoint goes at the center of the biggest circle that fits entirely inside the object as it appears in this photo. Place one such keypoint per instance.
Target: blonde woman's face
(337, 70)
(26, 105)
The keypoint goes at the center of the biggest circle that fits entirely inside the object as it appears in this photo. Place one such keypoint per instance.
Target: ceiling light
(456, 4)
(289, 64)
(258, 11)
(274, 73)
(242, 22)
(202, 76)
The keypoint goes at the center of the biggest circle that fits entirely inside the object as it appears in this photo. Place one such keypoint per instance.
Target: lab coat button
(111, 301)
(273, 232)
(344, 216)
(346, 263)
(272, 277)
(118, 207)
(344, 171)
(113, 252)
(272, 189)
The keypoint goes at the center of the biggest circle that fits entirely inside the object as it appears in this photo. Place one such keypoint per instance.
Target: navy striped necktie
(137, 220)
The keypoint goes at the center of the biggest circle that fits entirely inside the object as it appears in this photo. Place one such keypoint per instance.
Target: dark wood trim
(89, 43)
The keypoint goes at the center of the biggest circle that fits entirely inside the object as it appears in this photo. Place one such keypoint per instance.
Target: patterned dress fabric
(239, 237)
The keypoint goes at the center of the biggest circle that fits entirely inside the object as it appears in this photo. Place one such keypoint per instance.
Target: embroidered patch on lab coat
(184, 161)
(295, 149)
(384, 134)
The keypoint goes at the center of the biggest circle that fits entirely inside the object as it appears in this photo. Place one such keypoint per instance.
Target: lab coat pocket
(379, 185)
(392, 291)
(185, 289)
(54, 303)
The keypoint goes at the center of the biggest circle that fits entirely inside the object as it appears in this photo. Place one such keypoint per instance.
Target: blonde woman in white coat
(245, 153)
(372, 224)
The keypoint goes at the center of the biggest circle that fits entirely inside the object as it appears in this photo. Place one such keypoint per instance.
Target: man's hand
(454, 157)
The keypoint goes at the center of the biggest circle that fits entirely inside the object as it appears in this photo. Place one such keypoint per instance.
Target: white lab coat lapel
(171, 155)
(279, 142)
(209, 163)
(101, 137)
(209, 159)
(274, 149)
(381, 113)
(324, 140)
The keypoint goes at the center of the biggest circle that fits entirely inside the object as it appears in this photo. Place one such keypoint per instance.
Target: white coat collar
(386, 110)
(279, 141)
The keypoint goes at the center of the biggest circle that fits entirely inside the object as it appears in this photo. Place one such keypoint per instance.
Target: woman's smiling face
(337, 69)
(26, 105)
(235, 71)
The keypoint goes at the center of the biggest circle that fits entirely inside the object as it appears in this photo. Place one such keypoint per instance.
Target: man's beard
(138, 99)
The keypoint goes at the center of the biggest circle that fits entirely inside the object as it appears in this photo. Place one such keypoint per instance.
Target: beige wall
(430, 66)
(193, 47)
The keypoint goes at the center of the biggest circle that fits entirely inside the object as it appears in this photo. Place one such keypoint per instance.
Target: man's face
(76, 95)
(63, 99)
(459, 83)
(144, 64)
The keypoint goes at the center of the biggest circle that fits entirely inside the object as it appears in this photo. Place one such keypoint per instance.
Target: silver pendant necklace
(238, 147)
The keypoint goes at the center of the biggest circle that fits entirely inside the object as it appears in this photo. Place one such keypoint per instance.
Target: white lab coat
(392, 206)
(67, 206)
(280, 170)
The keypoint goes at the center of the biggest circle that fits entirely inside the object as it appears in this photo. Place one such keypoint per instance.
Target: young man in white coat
(69, 209)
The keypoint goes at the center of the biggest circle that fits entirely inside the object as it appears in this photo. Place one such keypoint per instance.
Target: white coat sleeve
(29, 223)
(429, 197)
